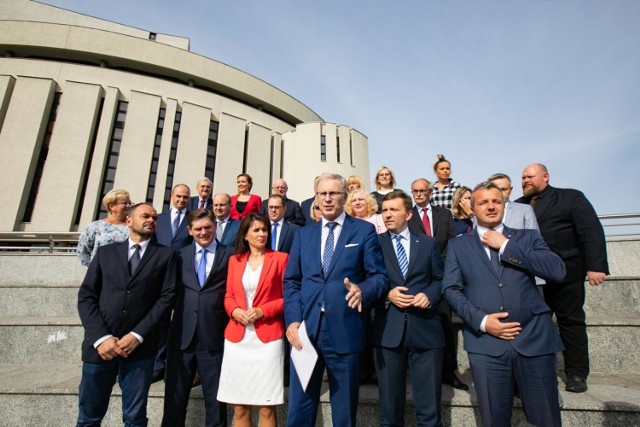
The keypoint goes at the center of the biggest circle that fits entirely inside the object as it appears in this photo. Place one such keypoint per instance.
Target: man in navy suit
(203, 199)
(227, 228)
(293, 214)
(282, 232)
(335, 268)
(126, 295)
(196, 334)
(407, 330)
(172, 224)
(489, 281)
(516, 215)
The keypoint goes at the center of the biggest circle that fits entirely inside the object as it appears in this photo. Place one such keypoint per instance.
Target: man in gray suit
(516, 215)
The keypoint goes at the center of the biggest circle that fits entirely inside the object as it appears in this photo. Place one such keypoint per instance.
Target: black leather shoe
(157, 376)
(454, 382)
(575, 384)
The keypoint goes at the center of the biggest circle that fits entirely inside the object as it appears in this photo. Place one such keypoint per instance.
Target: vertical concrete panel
(191, 157)
(136, 150)
(330, 133)
(276, 159)
(20, 142)
(165, 152)
(64, 171)
(344, 135)
(92, 196)
(361, 157)
(6, 88)
(259, 159)
(230, 155)
(301, 159)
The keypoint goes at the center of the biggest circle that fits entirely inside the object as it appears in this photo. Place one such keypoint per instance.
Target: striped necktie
(328, 248)
(402, 256)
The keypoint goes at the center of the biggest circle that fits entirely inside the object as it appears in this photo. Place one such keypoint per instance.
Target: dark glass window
(156, 155)
(338, 148)
(212, 147)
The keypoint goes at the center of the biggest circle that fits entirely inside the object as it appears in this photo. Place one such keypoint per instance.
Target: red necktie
(202, 204)
(426, 222)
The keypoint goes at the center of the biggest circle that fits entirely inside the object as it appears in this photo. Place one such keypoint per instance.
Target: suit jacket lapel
(479, 247)
(395, 274)
(345, 234)
(416, 218)
(267, 264)
(148, 253)
(189, 256)
(414, 247)
(543, 203)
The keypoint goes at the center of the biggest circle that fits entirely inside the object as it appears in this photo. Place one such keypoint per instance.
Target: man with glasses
(203, 199)
(335, 268)
(293, 214)
(282, 232)
(516, 215)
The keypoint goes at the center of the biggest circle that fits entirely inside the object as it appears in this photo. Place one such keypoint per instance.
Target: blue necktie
(402, 256)
(495, 260)
(328, 248)
(202, 267)
(274, 236)
(175, 224)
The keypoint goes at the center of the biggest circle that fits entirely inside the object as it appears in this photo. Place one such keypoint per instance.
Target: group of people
(215, 290)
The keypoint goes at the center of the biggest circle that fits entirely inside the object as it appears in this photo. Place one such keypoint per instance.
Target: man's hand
(400, 299)
(354, 295)
(421, 300)
(254, 313)
(292, 335)
(108, 349)
(493, 239)
(240, 316)
(595, 277)
(128, 343)
(504, 331)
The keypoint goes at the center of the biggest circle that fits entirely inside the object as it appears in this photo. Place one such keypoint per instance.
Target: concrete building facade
(87, 105)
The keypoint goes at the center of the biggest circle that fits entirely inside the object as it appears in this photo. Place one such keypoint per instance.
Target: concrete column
(191, 157)
(301, 159)
(165, 152)
(64, 171)
(92, 195)
(330, 132)
(259, 159)
(136, 150)
(230, 155)
(361, 156)
(6, 88)
(344, 136)
(276, 157)
(20, 142)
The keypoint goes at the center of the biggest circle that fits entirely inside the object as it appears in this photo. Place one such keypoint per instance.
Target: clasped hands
(245, 317)
(113, 347)
(402, 300)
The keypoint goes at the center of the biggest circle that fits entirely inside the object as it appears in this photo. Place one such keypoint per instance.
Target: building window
(172, 160)
(156, 156)
(114, 153)
(351, 148)
(338, 148)
(42, 158)
(323, 148)
(212, 147)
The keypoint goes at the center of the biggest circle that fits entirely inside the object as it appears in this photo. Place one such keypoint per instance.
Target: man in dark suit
(282, 232)
(227, 228)
(293, 214)
(571, 228)
(306, 205)
(196, 334)
(489, 281)
(407, 330)
(172, 224)
(335, 268)
(203, 199)
(127, 293)
(437, 222)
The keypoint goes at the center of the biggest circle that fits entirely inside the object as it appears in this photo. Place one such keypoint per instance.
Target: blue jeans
(134, 378)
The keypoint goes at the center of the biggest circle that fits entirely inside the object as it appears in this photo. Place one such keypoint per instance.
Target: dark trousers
(493, 377)
(344, 387)
(181, 369)
(134, 378)
(425, 367)
(566, 301)
(450, 358)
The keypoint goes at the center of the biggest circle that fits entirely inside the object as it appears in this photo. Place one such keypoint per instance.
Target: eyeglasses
(420, 191)
(127, 204)
(330, 194)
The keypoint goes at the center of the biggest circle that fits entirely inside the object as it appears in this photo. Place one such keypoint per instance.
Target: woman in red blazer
(252, 365)
(243, 203)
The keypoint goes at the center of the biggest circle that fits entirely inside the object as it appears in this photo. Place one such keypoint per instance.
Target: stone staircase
(40, 336)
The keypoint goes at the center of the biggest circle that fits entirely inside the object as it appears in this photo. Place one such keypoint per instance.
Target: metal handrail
(631, 230)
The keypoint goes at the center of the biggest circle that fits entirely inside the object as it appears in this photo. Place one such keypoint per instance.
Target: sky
(493, 85)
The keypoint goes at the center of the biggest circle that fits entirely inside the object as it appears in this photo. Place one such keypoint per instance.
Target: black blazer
(194, 203)
(287, 232)
(571, 228)
(443, 227)
(424, 275)
(293, 214)
(230, 233)
(199, 311)
(164, 236)
(305, 207)
(112, 302)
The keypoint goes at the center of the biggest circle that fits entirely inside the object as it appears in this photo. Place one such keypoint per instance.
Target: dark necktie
(274, 236)
(495, 260)
(202, 267)
(402, 255)
(135, 259)
(534, 200)
(425, 222)
(202, 204)
(175, 224)
(328, 248)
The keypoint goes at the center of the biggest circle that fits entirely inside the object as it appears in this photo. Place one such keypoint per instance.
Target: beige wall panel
(20, 142)
(6, 88)
(136, 151)
(330, 132)
(165, 152)
(191, 157)
(259, 159)
(92, 197)
(344, 136)
(230, 153)
(360, 145)
(301, 159)
(276, 159)
(64, 171)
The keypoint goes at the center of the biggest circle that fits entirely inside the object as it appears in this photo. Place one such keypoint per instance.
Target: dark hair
(499, 176)
(241, 245)
(276, 196)
(441, 159)
(199, 214)
(399, 194)
(133, 208)
(249, 179)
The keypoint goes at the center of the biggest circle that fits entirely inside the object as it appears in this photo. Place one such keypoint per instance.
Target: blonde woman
(362, 205)
(385, 182)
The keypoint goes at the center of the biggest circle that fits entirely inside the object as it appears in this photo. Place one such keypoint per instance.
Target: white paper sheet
(304, 360)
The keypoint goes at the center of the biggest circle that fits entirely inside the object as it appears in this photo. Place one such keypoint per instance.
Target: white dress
(252, 371)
